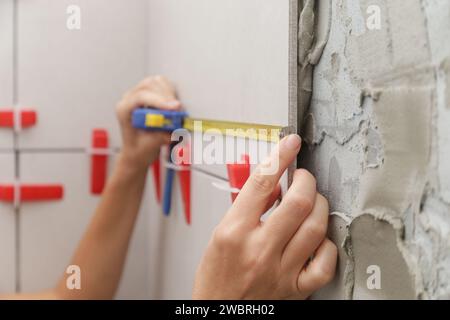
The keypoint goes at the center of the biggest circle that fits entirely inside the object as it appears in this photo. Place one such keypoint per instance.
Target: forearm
(102, 251)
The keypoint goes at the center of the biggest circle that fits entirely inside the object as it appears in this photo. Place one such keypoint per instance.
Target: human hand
(250, 259)
(141, 148)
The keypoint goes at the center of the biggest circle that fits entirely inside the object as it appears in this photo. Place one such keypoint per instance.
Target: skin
(245, 259)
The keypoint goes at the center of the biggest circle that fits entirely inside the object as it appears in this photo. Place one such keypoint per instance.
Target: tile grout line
(15, 143)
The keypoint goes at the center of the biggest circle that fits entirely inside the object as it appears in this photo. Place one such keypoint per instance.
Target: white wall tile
(6, 67)
(7, 229)
(74, 78)
(50, 231)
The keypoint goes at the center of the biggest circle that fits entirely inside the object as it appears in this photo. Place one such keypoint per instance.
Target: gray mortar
(376, 121)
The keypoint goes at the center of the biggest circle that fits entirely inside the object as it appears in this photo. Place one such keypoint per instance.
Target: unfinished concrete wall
(377, 125)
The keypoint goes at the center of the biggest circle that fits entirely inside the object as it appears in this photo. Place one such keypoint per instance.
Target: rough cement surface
(378, 136)
(341, 287)
(312, 37)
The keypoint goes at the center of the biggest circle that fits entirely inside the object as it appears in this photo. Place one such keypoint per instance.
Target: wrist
(128, 168)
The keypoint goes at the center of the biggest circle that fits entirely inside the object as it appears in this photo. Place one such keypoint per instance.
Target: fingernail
(293, 141)
(173, 104)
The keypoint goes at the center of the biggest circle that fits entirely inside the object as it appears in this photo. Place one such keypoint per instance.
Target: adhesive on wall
(380, 268)
(312, 37)
(341, 287)
(400, 180)
(377, 138)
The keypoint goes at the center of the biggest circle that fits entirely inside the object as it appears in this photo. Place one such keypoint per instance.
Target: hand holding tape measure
(151, 119)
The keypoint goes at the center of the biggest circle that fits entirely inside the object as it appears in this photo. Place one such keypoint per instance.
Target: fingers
(143, 98)
(320, 271)
(160, 138)
(255, 195)
(274, 197)
(152, 92)
(308, 237)
(147, 98)
(160, 84)
(295, 206)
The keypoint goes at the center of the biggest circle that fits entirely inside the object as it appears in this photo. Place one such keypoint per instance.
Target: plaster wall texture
(375, 115)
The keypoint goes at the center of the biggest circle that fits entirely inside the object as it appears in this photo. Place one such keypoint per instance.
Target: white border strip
(225, 187)
(100, 151)
(172, 166)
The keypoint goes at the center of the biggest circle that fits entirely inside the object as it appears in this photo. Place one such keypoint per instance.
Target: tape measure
(169, 121)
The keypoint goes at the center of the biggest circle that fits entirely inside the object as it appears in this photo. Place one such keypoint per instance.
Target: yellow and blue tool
(165, 120)
(158, 120)
(161, 120)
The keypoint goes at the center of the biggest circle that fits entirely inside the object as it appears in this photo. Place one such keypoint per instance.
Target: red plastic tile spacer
(28, 118)
(157, 178)
(32, 192)
(99, 162)
(238, 174)
(185, 181)
(6, 119)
